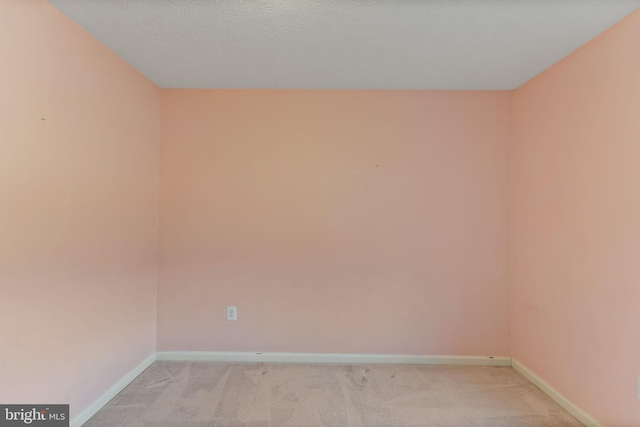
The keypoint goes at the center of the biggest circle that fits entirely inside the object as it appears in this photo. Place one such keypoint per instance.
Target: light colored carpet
(195, 394)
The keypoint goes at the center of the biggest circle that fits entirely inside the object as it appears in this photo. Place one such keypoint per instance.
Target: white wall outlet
(232, 312)
(638, 388)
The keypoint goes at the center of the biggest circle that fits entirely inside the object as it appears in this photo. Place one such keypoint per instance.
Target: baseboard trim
(112, 392)
(220, 356)
(569, 406)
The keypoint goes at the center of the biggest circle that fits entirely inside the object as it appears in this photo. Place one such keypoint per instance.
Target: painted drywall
(576, 225)
(79, 153)
(336, 221)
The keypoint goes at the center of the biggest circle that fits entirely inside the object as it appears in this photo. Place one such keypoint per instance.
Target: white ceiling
(344, 44)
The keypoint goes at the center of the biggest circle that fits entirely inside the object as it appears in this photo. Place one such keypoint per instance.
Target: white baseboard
(112, 392)
(569, 406)
(221, 356)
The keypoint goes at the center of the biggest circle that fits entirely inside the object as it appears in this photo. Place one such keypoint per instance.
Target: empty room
(319, 213)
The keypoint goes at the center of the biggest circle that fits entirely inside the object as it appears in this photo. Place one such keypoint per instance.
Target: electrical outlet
(638, 388)
(232, 312)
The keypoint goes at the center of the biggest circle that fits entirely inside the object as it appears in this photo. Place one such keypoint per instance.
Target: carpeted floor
(195, 394)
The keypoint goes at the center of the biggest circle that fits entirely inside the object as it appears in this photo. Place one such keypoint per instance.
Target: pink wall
(336, 221)
(576, 233)
(79, 137)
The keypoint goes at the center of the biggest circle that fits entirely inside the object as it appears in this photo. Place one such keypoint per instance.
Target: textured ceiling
(355, 44)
